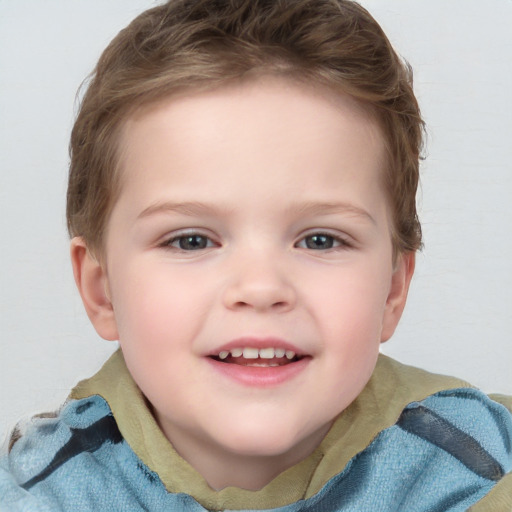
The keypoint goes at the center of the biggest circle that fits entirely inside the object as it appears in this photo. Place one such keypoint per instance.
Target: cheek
(160, 310)
(353, 301)
(149, 304)
(155, 324)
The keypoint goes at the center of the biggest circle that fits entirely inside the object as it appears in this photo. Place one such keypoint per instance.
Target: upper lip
(258, 343)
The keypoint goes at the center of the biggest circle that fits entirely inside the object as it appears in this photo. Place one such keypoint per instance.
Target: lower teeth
(257, 365)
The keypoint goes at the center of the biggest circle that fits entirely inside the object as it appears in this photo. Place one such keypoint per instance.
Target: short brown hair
(187, 45)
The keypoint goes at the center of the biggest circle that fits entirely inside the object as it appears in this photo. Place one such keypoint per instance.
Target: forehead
(259, 128)
(258, 108)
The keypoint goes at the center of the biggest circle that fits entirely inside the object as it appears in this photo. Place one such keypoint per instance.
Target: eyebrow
(194, 208)
(319, 208)
(191, 208)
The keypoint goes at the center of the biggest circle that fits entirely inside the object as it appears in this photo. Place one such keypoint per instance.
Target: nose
(260, 283)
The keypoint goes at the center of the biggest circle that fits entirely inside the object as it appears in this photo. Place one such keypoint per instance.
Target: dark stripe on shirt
(496, 416)
(88, 439)
(433, 428)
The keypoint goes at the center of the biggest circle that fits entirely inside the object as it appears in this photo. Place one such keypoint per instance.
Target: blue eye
(321, 242)
(190, 242)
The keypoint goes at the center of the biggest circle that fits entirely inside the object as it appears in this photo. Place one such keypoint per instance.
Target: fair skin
(251, 218)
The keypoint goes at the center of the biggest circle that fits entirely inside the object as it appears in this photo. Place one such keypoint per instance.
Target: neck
(222, 468)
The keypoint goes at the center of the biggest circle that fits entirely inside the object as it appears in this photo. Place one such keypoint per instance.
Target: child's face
(252, 217)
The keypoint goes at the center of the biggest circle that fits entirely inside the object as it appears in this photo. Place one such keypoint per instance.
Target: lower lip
(258, 376)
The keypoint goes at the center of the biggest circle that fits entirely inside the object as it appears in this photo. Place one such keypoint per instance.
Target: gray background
(459, 316)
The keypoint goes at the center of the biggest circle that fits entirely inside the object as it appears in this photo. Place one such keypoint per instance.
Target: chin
(274, 441)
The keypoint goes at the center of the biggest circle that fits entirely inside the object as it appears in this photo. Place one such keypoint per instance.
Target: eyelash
(203, 242)
(335, 242)
(188, 237)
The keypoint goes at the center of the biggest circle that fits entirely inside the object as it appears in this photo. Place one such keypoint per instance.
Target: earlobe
(92, 283)
(395, 303)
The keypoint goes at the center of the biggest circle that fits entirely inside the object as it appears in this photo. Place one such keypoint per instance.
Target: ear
(395, 303)
(91, 280)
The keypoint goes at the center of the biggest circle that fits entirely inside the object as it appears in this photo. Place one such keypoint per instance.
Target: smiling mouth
(262, 358)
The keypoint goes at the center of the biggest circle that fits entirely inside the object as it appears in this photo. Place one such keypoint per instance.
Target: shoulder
(460, 424)
(466, 424)
(448, 411)
(62, 462)
(438, 444)
(45, 443)
(462, 440)
(81, 425)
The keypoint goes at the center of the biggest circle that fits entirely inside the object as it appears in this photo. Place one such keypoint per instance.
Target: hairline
(293, 75)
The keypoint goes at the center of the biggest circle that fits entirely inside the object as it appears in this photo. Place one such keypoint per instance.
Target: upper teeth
(254, 353)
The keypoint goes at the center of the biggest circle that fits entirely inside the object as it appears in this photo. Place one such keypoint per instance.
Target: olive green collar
(392, 387)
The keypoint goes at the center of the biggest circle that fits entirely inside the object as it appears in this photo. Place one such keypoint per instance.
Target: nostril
(241, 304)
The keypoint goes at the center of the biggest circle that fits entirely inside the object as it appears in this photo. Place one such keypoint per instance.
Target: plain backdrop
(459, 316)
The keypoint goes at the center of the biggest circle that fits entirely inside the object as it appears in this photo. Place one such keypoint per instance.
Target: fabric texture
(412, 441)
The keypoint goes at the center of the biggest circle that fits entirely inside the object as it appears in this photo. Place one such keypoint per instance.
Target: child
(242, 210)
